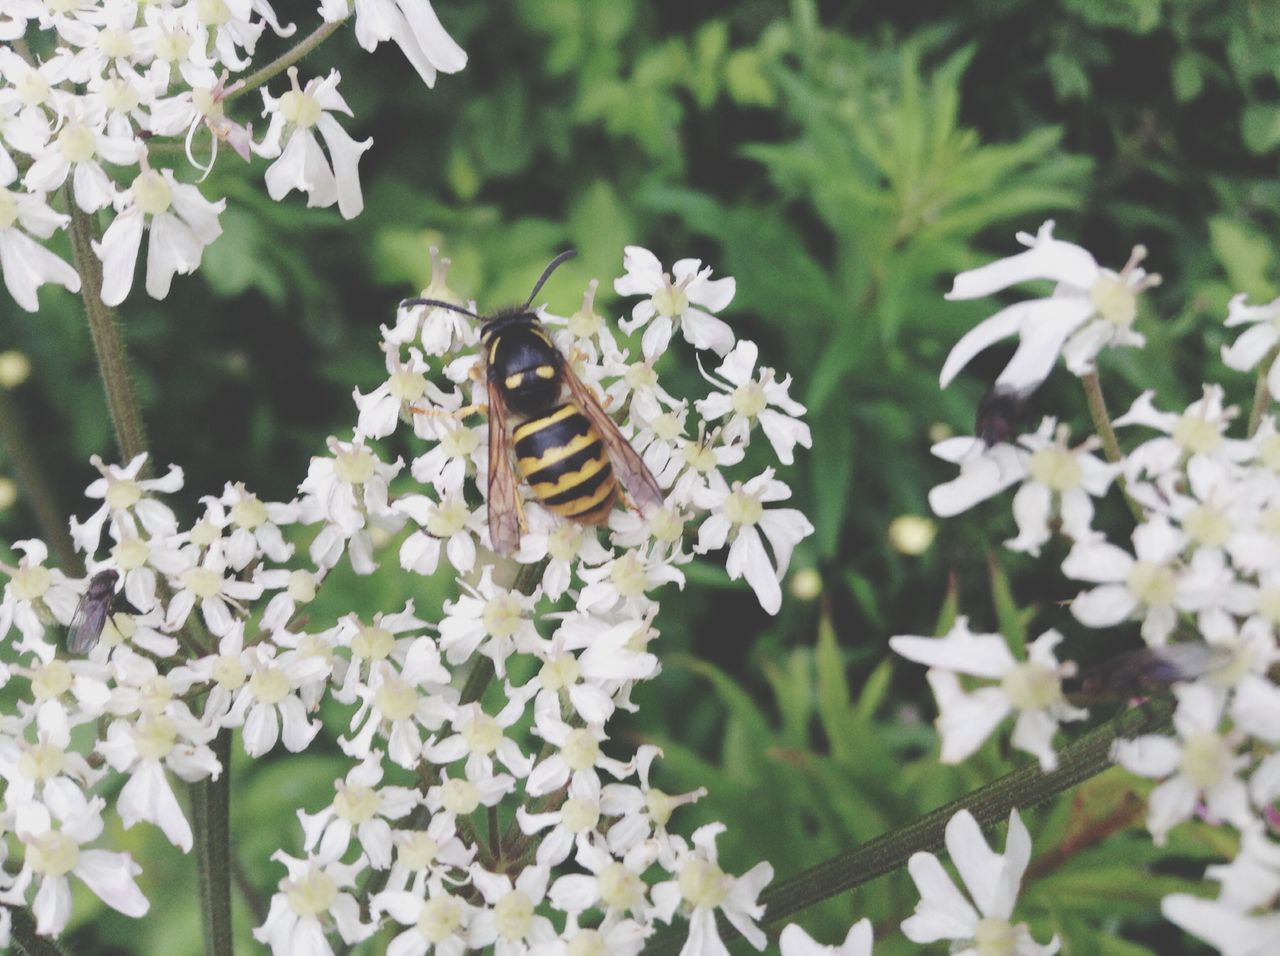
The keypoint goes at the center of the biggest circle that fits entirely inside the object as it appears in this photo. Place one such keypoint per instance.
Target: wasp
(566, 447)
(98, 602)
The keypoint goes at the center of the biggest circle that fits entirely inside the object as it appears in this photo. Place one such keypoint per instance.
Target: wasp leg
(459, 414)
(524, 525)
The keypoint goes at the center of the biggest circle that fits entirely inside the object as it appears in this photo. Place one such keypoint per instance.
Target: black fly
(98, 601)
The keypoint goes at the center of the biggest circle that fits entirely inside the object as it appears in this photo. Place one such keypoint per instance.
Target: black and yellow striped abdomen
(561, 456)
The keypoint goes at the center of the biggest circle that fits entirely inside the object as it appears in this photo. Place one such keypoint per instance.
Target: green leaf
(1246, 256)
(1187, 78)
(746, 80)
(1260, 127)
(1133, 16)
(834, 709)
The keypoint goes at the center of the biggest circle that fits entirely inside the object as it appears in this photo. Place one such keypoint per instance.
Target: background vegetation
(842, 161)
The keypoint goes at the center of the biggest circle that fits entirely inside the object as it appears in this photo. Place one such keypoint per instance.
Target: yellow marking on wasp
(493, 351)
(530, 465)
(570, 480)
(545, 371)
(513, 381)
(541, 333)
(535, 426)
(582, 505)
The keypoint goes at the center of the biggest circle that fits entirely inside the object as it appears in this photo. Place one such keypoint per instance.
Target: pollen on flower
(395, 699)
(628, 576)
(703, 883)
(460, 442)
(586, 322)
(579, 816)
(311, 895)
(1206, 759)
(51, 681)
(448, 518)
(354, 467)
(155, 694)
(357, 805)
(202, 582)
(619, 887)
(666, 525)
(155, 737)
(130, 553)
(76, 143)
(660, 806)
(118, 95)
(248, 512)
(559, 672)
(1114, 299)
(8, 209)
(1207, 526)
(749, 399)
(580, 749)
(482, 733)
(213, 13)
(268, 684)
(513, 915)
(994, 936)
(373, 642)
(296, 106)
(42, 761)
(742, 508)
(440, 918)
(587, 942)
(154, 196)
(204, 533)
(123, 493)
(52, 853)
(1269, 603)
(459, 796)
(417, 850)
(302, 586)
(502, 615)
(1057, 468)
(1196, 435)
(1032, 686)
(1153, 584)
(115, 43)
(30, 584)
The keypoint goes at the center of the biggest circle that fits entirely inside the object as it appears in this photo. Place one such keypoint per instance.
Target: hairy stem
(285, 60)
(36, 488)
(1102, 426)
(1025, 787)
(113, 363)
(210, 810)
(23, 932)
(1261, 394)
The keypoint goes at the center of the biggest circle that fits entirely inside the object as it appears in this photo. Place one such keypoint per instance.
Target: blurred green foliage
(842, 160)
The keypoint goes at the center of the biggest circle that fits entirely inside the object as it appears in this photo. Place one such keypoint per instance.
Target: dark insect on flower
(97, 602)
(1000, 414)
(566, 446)
(1148, 671)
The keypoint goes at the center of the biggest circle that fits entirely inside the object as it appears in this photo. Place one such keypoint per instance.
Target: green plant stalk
(1102, 426)
(24, 936)
(1261, 394)
(1025, 787)
(211, 813)
(36, 488)
(285, 60)
(108, 346)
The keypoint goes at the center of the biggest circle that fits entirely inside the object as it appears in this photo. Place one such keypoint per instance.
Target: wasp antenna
(439, 304)
(546, 273)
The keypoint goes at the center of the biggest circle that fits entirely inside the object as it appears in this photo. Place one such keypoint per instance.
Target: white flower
(412, 24)
(442, 330)
(1090, 308)
(361, 807)
(1243, 920)
(1256, 342)
(985, 471)
(794, 941)
(314, 894)
(121, 490)
(671, 302)
(32, 591)
(269, 698)
(747, 398)
(182, 223)
(511, 920)
(348, 492)
(739, 512)
(76, 151)
(300, 164)
(992, 880)
(1197, 432)
(701, 888)
(492, 620)
(26, 264)
(1032, 688)
(1201, 763)
(440, 922)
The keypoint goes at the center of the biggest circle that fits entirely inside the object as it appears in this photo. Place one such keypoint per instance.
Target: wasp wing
(504, 516)
(627, 463)
(91, 613)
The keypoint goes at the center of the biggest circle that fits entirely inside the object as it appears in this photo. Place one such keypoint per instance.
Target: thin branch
(285, 60)
(211, 813)
(1261, 393)
(23, 932)
(1110, 444)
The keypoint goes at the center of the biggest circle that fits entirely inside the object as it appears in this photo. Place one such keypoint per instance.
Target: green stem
(113, 363)
(1261, 394)
(36, 488)
(211, 813)
(284, 60)
(1025, 787)
(23, 932)
(1102, 426)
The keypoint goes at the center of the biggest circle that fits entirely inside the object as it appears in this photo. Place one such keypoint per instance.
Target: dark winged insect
(566, 446)
(1000, 414)
(97, 602)
(1148, 671)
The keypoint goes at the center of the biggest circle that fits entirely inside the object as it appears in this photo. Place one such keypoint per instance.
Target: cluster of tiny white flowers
(219, 635)
(1199, 582)
(88, 109)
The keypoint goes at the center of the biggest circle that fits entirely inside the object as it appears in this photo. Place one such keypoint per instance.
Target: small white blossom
(672, 301)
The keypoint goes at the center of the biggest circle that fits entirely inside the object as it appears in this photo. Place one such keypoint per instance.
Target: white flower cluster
(1201, 581)
(106, 86)
(219, 636)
